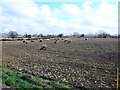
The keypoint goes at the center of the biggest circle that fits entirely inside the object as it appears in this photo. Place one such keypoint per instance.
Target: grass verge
(16, 79)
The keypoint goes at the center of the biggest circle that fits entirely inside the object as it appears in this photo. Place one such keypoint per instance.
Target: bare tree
(76, 34)
(27, 36)
(102, 34)
(60, 35)
(12, 34)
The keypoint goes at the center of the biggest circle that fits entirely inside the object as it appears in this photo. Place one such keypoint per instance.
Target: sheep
(69, 41)
(65, 40)
(25, 42)
(86, 38)
(55, 41)
(43, 47)
(32, 41)
(40, 40)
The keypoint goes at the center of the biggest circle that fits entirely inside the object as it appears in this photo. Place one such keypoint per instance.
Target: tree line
(99, 34)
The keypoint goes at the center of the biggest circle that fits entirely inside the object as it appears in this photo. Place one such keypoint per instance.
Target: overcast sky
(28, 16)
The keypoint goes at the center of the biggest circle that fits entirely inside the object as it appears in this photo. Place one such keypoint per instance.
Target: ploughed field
(83, 63)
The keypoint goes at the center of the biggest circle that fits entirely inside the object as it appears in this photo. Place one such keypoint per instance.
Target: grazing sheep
(40, 40)
(43, 47)
(86, 38)
(65, 40)
(32, 41)
(55, 41)
(26, 42)
(23, 41)
(69, 41)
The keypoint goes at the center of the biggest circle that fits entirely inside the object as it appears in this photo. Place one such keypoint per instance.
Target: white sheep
(43, 47)
(69, 41)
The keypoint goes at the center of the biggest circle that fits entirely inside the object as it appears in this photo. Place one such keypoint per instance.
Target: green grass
(20, 38)
(16, 79)
(13, 38)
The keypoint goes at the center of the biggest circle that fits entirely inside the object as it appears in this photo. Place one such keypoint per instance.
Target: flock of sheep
(55, 41)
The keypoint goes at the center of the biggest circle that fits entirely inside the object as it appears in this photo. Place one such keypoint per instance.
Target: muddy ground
(83, 63)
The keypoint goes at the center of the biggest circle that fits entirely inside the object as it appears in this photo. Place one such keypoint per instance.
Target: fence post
(117, 79)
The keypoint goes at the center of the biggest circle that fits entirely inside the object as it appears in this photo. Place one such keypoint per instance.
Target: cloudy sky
(31, 16)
